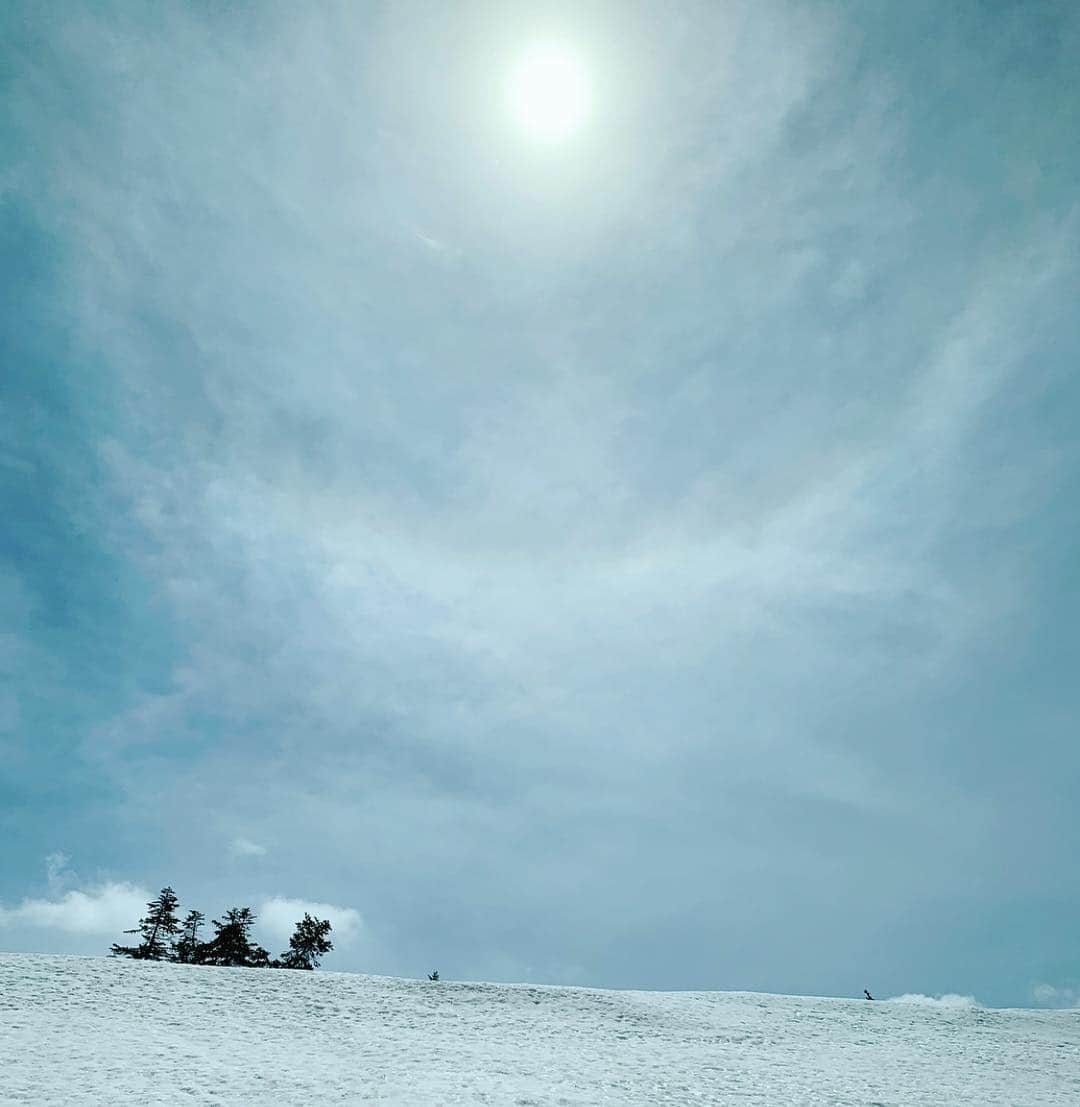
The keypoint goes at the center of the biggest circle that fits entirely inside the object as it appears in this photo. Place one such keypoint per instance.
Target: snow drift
(96, 1030)
(950, 999)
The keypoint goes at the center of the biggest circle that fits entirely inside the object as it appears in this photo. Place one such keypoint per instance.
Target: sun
(548, 93)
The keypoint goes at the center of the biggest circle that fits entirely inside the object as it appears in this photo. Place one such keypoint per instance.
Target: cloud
(279, 915)
(245, 847)
(57, 873)
(107, 909)
(1049, 995)
(949, 999)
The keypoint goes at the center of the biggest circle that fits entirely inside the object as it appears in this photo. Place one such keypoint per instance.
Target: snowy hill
(88, 1030)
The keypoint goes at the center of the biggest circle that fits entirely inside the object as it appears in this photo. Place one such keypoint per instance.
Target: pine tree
(156, 929)
(231, 944)
(308, 943)
(186, 948)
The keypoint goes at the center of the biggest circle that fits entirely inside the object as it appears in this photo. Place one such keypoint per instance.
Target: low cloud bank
(107, 909)
(278, 916)
(112, 907)
(949, 999)
(1050, 995)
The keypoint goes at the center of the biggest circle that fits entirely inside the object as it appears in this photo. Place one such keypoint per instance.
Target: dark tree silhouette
(433, 975)
(186, 947)
(308, 943)
(157, 928)
(231, 943)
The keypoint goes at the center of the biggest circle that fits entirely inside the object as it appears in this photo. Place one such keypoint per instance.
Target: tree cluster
(164, 937)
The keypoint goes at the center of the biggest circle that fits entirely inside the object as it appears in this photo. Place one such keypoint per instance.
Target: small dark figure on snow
(867, 994)
(433, 975)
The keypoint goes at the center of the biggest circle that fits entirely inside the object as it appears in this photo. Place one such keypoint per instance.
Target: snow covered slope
(88, 1030)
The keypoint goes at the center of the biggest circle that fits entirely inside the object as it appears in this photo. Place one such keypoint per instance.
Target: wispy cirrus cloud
(639, 533)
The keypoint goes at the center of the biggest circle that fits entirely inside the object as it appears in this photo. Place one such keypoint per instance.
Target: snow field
(96, 1030)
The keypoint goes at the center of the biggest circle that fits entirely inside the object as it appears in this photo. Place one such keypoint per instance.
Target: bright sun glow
(549, 93)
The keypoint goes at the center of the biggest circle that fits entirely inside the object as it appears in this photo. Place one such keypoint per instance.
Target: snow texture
(95, 1030)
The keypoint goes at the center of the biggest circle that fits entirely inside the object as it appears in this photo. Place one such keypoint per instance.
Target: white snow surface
(98, 1030)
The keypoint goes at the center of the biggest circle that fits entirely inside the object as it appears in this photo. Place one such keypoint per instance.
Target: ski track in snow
(98, 1030)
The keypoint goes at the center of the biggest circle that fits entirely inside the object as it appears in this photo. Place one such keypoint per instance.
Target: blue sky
(645, 559)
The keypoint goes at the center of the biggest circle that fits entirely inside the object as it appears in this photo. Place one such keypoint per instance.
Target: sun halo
(548, 93)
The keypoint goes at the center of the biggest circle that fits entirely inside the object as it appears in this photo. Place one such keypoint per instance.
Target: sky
(643, 555)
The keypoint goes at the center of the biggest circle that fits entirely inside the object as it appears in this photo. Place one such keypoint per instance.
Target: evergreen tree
(186, 948)
(308, 943)
(231, 943)
(156, 929)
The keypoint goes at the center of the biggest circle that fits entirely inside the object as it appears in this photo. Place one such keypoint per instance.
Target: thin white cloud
(279, 915)
(107, 909)
(245, 847)
(431, 243)
(57, 873)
